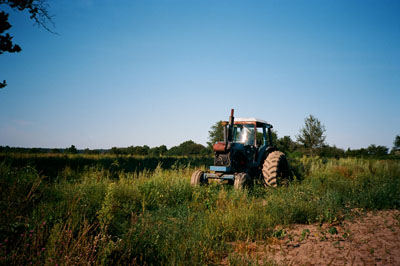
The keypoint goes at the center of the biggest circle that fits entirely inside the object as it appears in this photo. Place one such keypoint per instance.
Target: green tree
(142, 150)
(374, 150)
(34, 150)
(55, 150)
(312, 134)
(187, 148)
(396, 144)
(38, 12)
(285, 144)
(162, 149)
(72, 150)
(115, 150)
(357, 152)
(215, 134)
(158, 151)
(331, 152)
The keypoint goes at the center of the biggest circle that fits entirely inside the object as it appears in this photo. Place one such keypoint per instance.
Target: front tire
(198, 178)
(241, 181)
(275, 169)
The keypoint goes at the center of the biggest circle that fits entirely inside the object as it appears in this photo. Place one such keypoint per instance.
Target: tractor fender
(264, 154)
(269, 150)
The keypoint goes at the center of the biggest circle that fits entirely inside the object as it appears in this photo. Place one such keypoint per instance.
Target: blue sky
(121, 73)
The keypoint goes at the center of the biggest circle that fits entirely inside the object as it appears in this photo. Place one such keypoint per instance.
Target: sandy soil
(370, 239)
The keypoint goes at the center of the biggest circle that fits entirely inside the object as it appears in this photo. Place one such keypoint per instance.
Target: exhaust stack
(231, 121)
(224, 124)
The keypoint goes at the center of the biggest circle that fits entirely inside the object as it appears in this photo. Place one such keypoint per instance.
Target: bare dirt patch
(370, 239)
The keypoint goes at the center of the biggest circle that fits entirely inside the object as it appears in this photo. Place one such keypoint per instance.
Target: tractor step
(224, 169)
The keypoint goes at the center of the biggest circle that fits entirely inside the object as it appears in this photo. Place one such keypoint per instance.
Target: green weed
(100, 216)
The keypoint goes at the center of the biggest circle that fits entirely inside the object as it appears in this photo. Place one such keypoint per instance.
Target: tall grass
(156, 217)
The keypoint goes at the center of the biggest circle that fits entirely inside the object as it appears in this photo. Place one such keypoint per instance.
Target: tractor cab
(251, 137)
(252, 131)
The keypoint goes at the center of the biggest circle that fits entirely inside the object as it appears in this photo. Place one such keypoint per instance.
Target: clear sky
(124, 72)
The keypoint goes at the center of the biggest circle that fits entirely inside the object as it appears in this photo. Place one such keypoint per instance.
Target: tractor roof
(251, 120)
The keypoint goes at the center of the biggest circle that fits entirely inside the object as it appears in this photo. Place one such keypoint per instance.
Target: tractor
(247, 153)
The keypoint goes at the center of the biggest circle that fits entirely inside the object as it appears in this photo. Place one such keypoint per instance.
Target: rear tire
(241, 181)
(275, 169)
(198, 178)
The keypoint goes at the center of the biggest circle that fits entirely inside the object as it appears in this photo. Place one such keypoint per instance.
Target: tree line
(187, 148)
(310, 141)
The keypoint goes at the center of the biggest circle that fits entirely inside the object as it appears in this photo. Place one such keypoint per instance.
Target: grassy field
(50, 165)
(94, 215)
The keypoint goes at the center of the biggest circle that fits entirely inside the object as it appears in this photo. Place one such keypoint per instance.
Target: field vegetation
(97, 215)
